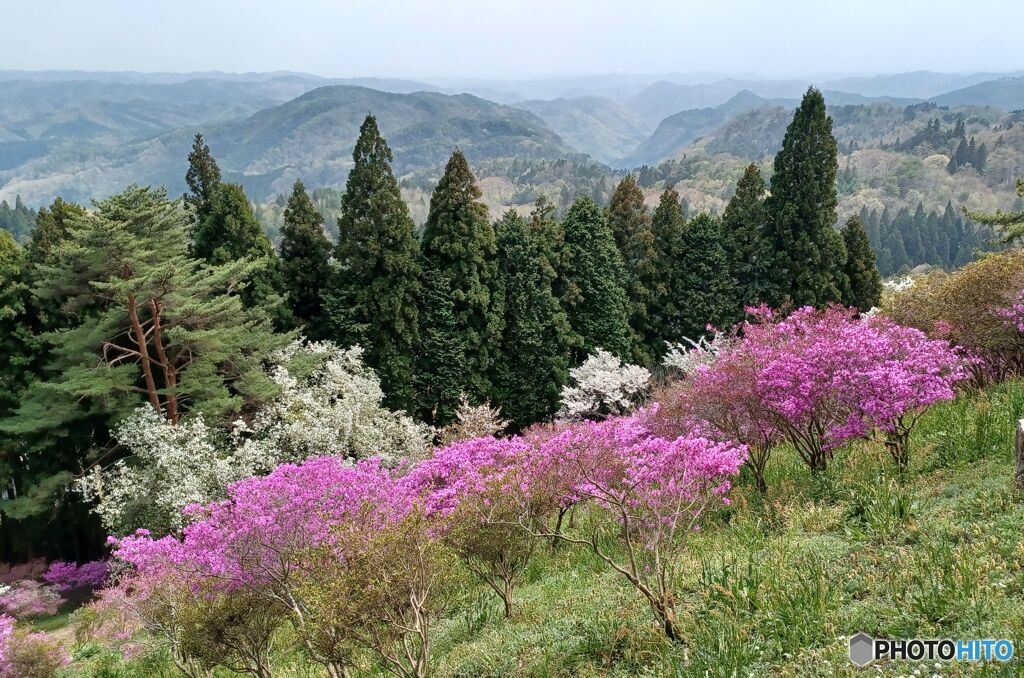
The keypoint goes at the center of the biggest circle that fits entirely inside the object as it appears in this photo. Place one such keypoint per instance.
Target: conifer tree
(305, 259)
(668, 225)
(52, 224)
(743, 225)
(706, 286)
(595, 298)
(863, 288)
(203, 177)
(442, 365)
(533, 352)
(630, 223)
(229, 232)
(162, 326)
(807, 249)
(459, 244)
(372, 299)
(1010, 225)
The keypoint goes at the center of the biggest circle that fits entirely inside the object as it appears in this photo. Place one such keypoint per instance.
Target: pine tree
(533, 353)
(372, 298)
(203, 177)
(630, 223)
(863, 288)
(706, 287)
(1010, 225)
(160, 322)
(744, 224)
(305, 259)
(595, 298)
(459, 243)
(668, 225)
(807, 250)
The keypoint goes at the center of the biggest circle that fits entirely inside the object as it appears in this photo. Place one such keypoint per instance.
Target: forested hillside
(366, 382)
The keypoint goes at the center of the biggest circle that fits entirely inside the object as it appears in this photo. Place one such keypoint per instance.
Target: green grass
(774, 586)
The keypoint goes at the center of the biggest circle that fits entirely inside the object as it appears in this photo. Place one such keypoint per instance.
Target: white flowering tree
(684, 359)
(329, 404)
(601, 387)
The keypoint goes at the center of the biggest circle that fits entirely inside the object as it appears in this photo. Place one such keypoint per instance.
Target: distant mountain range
(311, 136)
(598, 126)
(81, 135)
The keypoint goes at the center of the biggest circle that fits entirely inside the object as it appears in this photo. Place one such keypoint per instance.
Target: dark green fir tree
(533, 352)
(305, 260)
(459, 244)
(705, 286)
(630, 223)
(202, 177)
(669, 225)
(372, 298)
(595, 297)
(863, 284)
(807, 250)
(744, 226)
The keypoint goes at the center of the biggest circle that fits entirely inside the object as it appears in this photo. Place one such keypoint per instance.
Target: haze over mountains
(83, 135)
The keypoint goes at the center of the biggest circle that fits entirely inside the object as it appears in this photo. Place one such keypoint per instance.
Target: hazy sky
(514, 38)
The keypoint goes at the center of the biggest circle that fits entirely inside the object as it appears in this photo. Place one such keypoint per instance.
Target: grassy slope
(775, 587)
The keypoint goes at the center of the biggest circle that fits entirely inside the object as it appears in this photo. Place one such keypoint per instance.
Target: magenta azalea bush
(66, 577)
(6, 631)
(268, 536)
(819, 378)
(359, 556)
(28, 599)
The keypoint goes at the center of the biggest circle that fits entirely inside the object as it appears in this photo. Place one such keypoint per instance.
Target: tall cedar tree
(595, 294)
(230, 231)
(705, 284)
(807, 250)
(630, 223)
(744, 224)
(305, 260)
(667, 305)
(372, 298)
(442, 364)
(863, 284)
(533, 353)
(459, 245)
(202, 177)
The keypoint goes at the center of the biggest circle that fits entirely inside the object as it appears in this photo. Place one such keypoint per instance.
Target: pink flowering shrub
(24, 654)
(6, 631)
(322, 538)
(32, 569)
(473, 492)
(821, 378)
(28, 599)
(650, 492)
(66, 577)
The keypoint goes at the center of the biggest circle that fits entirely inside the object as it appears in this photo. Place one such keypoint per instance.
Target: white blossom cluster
(898, 284)
(603, 386)
(330, 404)
(685, 358)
